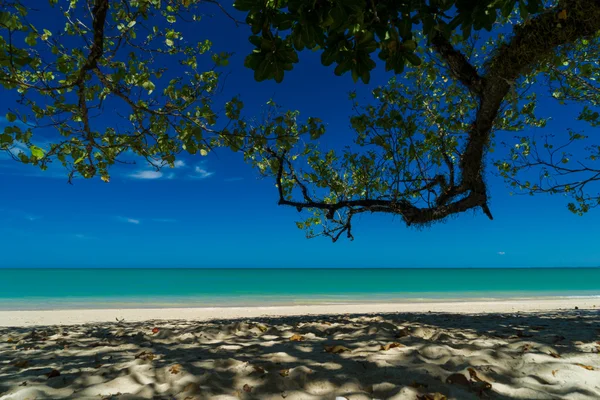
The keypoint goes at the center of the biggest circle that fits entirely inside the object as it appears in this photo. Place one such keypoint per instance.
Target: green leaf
(36, 152)
(10, 117)
(149, 86)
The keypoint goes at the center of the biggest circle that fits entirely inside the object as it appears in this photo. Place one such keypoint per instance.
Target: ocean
(150, 287)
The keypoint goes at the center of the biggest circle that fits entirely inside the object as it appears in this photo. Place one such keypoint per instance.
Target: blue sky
(214, 211)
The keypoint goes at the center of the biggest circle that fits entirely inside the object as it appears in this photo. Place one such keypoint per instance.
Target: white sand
(524, 349)
(72, 317)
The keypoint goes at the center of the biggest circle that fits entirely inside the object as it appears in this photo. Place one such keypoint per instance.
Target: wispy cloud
(32, 218)
(129, 220)
(501, 253)
(200, 172)
(154, 174)
(146, 174)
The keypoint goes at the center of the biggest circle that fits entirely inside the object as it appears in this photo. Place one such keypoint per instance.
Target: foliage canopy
(466, 73)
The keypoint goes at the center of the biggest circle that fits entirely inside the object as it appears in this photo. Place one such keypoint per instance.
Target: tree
(420, 148)
(109, 55)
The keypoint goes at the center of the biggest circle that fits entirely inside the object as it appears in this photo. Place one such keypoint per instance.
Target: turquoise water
(68, 288)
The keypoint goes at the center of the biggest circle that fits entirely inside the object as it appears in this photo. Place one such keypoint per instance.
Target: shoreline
(77, 316)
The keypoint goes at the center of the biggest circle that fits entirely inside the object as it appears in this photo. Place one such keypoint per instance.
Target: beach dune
(543, 349)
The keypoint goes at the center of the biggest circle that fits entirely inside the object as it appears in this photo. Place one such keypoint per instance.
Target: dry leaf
(53, 374)
(247, 388)
(296, 338)
(98, 366)
(432, 396)
(155, 330)
(284, 372)
(527, 347)
(554, 371)
(10, 340)
(458, 379)
(175, 369)
(553, 354)
(146, 355)
(262, 327)
(336, 349)
(259, 369)
(588, 367)
(418, 385)
(563, 15)
(21, 364)
(402, 332)
(391, 346)
(483, 385)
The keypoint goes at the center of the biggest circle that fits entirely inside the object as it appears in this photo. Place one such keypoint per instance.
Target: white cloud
(146, 175)
(179, 164)
(129, 220)
(164, 220)
(201, 172)
(501, 253)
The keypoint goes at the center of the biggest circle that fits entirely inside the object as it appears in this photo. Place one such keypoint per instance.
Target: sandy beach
(505, 349)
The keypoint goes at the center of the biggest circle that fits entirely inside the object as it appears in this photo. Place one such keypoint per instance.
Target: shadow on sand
(522, 356)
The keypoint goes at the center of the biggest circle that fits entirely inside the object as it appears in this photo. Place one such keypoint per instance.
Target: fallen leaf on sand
(431, 396)
(155, 330)
(146, 355)
(259, 369)
(418, 385)
(284, 372)
(98, 366)
(175, 369)
(391, 346)
(262, 327)
(554, 371)
(23, 384)
(458, 379)
(190, 387)
(588, 367)
(10, 340)
(297, 338)
(247, 388)
(336, 349)
(482, 385)
(21, 364)
(53, 374)
(284, 394)
(553, 354)
(563, 15)
(527, 347)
